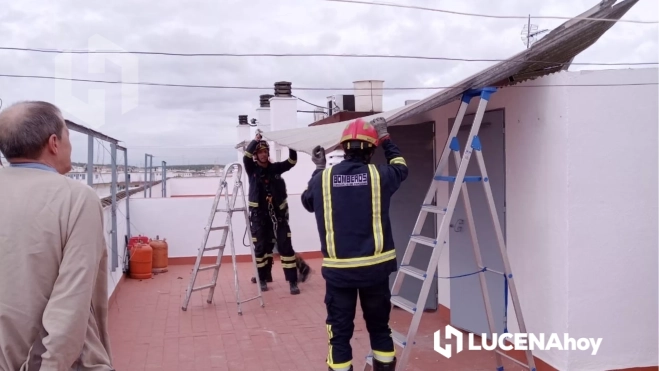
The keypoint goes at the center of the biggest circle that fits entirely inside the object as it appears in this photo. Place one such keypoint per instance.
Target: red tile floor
(149, 331)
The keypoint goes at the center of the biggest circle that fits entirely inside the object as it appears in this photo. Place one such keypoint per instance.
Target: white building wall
(581, 237)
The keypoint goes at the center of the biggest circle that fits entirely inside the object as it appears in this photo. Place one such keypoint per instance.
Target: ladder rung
(219, 228)
(213, 248)
(467, 179)
(208, 267)
(511, 358)
(414, 272)
(403, 303)
(230, 210)
(203, 287)
(250, 299)
(434, 209)
(424, 240)
(399, 339)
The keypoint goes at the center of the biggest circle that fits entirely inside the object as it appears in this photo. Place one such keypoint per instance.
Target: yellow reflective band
(260, 259)
(248, 155)
(261, 265)
(293, 162)
(378, 236)
(283, 204)
(288, 265)
(287, 258)
(288, 234)
(253, 204)
(359, 262)
(398, 161)
(327, 206)
(267, 256)
(253, 239)
(385, 357)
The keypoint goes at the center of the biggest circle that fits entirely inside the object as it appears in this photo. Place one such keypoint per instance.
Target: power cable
(290, 55)
(304, 88)
(488, 15)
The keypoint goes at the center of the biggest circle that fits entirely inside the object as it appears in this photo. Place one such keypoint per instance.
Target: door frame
(504, 221)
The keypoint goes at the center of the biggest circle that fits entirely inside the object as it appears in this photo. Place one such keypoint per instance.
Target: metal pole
(528, 33)
(150, 174)
(146, 165)
(90, 160)
(127, 183)
(113, 190)
(164, 179)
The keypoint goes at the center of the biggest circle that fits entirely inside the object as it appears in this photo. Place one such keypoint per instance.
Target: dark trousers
(264, 238)
(341, 305)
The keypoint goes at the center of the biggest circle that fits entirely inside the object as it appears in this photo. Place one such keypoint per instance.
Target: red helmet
(362, 131)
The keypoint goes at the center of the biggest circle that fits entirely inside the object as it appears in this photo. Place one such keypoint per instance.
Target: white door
(467, 307)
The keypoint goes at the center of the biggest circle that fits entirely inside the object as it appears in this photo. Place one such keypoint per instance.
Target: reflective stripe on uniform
(283, 204)
(398, 161)
(288, 261)
(378, 236)
(327, 207)
(359, 262)
(293, 162)
(253, 204)
(248, 155)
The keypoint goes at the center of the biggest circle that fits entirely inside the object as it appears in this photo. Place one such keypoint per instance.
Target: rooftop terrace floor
(149, 331)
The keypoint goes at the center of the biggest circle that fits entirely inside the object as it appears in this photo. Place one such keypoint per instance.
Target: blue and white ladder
(437, 244)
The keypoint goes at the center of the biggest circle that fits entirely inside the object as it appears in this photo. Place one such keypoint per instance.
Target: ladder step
(467, 179)
(203, 287)
(414, 272)
(223, 227)
(230, 210)
(434, 209)
(208, 267)
(424, 240)
(403, 303)
(213, 248)
(399, 339)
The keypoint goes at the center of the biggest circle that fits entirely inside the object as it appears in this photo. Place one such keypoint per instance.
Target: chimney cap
(242, 120)
(283, 89)
(264, 100)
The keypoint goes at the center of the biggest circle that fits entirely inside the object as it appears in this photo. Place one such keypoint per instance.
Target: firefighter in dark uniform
(268, 214)
(351, 204)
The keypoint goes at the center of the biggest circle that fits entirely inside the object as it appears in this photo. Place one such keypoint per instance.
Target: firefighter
(351, 203)
(268, 214)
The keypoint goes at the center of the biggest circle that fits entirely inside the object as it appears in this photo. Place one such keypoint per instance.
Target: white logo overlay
(507, 341)
(93, 111)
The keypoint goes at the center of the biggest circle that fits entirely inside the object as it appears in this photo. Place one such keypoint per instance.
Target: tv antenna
(530, 33)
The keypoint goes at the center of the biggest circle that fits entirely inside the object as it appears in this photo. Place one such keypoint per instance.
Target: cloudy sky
(192, 125)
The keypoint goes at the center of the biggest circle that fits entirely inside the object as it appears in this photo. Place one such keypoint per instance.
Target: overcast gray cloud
(190, 125)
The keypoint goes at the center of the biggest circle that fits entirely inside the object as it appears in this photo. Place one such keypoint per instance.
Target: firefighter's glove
(318, 157)
(380, 125)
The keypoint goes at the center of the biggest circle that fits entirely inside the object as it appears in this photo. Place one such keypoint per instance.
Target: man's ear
(53, 145)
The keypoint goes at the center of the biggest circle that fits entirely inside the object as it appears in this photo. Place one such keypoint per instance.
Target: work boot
(268, 279)
(264, 286)
(303, 268)
(381, 366)
(294, 289)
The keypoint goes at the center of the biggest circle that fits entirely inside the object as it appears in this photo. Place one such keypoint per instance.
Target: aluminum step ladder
(227, 229)
(416, 309)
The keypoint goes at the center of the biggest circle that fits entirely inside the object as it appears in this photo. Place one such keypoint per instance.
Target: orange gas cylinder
(141, 260)
(137, 239)
(160, 255)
